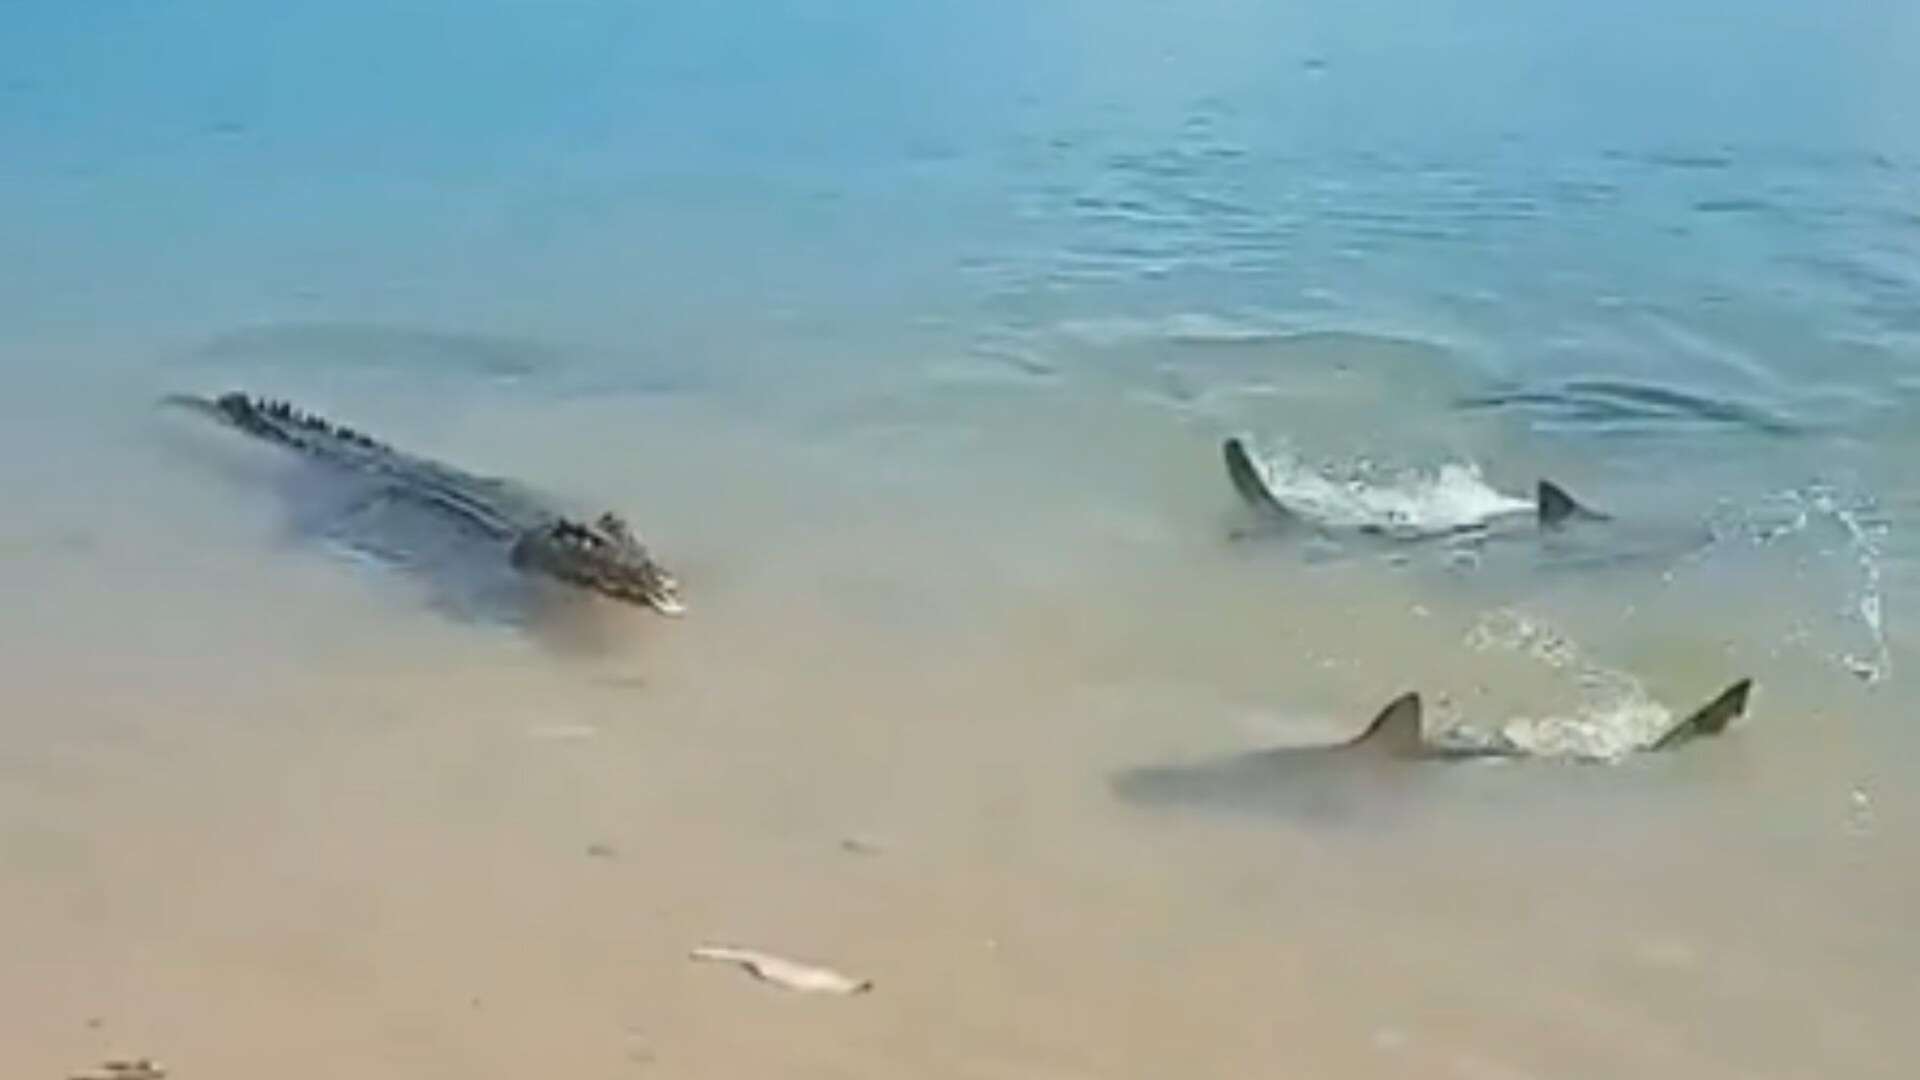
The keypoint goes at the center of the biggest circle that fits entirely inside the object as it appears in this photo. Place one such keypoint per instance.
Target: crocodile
(601, 555)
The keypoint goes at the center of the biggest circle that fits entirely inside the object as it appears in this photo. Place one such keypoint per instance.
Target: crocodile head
(603, 556)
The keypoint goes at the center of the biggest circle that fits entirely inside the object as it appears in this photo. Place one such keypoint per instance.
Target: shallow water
(909, 339)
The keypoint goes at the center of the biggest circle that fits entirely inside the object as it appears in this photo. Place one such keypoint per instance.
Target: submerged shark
(1455, 508)
(1552, 506)
(1372, 769)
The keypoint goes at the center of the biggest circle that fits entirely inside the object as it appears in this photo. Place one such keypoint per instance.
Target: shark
(1456, 510)
(1552, 507)
(1374, 768)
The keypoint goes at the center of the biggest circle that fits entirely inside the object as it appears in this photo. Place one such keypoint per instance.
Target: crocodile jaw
(603, 557)
(651, 587)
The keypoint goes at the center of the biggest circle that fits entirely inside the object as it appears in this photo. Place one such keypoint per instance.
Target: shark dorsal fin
(1711, 718)
(1247, 480)
(1396, 730)
(1556, 507)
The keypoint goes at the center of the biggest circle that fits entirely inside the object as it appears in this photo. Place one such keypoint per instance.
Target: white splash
(1797, 511)
(1615, 718)
(1867, 598)
(1410, 502)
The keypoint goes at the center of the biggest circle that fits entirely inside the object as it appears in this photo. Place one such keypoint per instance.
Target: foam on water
(1864, 543)
(1818, 513)
(1451, 498)
(1613, 716)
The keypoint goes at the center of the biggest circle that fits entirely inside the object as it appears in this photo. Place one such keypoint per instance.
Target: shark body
(1552, 506)
(1381, 767)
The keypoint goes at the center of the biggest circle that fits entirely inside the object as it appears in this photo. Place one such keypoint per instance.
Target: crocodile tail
(270, 419)
(192, 402)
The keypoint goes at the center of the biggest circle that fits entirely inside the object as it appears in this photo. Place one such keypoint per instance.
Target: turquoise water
(1672, 253)
(908, 334)
(1717, 196)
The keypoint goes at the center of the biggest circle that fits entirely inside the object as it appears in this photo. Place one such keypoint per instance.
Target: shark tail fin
(1247, 480)
(1396, 730)
(1556, 507)
(1711, 718)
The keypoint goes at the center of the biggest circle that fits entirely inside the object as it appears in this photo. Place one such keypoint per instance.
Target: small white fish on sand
(133, 1069)
(784, 973)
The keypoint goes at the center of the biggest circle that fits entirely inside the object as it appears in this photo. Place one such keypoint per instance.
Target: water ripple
(1614, 405)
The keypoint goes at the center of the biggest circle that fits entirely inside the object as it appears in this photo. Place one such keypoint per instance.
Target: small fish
(135, 1069)
(784, 973)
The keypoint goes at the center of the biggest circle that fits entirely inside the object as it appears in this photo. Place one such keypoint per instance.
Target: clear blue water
(1720, 196)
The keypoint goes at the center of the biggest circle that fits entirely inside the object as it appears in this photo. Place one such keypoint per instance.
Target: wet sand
(908, 334)
(269, 811)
